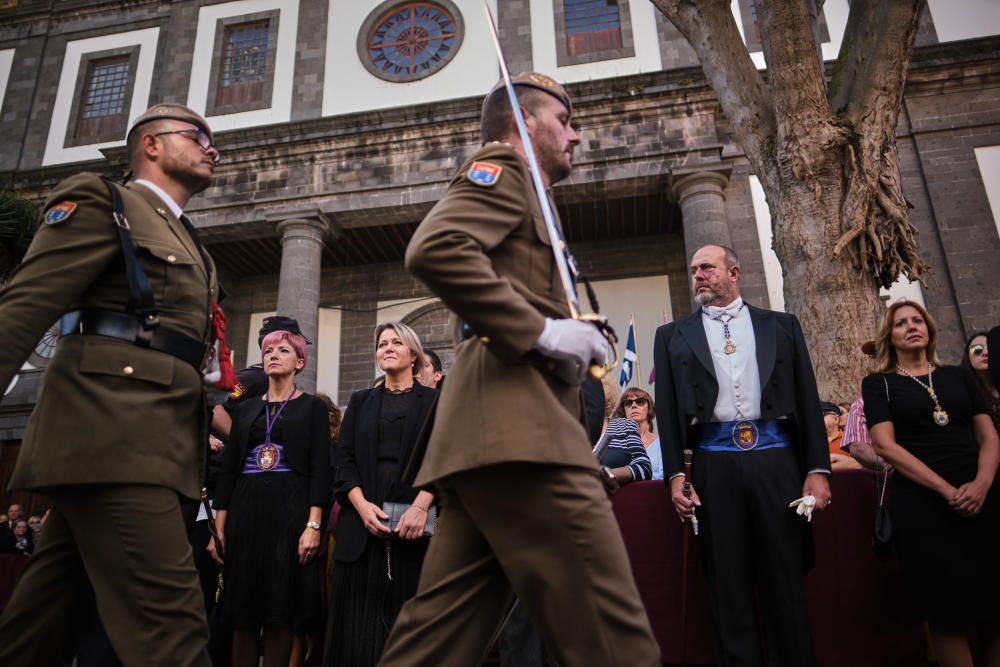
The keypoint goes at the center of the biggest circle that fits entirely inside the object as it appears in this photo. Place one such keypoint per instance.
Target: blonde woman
(931, 424)
(376, 568)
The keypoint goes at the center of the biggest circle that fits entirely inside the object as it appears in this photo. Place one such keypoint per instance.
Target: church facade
(340, 123)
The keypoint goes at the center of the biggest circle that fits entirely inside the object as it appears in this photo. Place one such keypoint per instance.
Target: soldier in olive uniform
(524, 512)
(120, 425)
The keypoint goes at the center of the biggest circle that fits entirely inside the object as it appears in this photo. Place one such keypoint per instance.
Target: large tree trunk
(838, 306)
(827, 159)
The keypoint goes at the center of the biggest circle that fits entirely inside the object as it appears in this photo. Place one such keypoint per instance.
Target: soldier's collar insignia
(59, 213)
(485, 174)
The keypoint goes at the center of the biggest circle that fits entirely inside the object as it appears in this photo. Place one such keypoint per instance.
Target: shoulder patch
(237, 391)
(485, 174)
(59, 213)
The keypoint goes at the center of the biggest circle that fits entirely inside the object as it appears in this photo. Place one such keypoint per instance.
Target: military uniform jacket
(109, 411)
(485, 252)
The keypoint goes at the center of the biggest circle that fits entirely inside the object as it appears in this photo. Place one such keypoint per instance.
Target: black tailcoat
(686, 386)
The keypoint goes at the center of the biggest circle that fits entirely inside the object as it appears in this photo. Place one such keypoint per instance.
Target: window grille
(245, 58)
(107, 82)
(244, 63)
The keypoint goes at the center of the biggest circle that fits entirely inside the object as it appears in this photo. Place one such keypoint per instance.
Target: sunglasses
(198, 136)
(639, 401)
(976, 350)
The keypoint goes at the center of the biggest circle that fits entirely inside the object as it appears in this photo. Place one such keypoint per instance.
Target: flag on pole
(628, 357)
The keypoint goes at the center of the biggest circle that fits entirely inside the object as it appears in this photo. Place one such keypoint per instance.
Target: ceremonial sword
(565, 264)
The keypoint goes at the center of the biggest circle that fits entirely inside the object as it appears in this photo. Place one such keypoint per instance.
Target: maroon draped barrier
(10, 569)
(859, 611)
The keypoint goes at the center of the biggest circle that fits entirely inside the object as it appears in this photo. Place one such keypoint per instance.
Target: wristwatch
(314, 525)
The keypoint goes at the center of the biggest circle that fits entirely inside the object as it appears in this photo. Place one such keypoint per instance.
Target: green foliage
(18, 221)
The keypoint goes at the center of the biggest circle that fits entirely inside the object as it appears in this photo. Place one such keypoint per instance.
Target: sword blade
(559, 248)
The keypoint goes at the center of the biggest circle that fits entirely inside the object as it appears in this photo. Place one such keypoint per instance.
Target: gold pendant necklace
(730, 346)
(940, 414)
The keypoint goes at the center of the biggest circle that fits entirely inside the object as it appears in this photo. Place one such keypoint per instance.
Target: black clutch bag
(882, 525)
(396, 510)
(882, 534)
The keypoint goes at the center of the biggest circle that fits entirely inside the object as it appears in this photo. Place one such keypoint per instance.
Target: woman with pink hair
(273, 489)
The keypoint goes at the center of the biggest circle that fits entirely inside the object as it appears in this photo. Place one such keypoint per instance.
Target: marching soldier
(118, 432)
(526, 511)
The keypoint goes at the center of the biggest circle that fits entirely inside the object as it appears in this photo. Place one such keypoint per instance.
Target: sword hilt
(597, 371)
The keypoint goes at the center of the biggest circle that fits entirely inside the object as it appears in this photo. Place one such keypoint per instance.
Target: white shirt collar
(732, 309)
(167, 199)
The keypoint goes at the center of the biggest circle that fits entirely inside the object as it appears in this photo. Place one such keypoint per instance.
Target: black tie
(193, 233)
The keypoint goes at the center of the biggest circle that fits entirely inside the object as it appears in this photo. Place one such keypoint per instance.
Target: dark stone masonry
(658, 171)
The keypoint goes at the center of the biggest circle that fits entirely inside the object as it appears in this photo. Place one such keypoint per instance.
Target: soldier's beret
(538, 81)
(280, 323)
(172, 112)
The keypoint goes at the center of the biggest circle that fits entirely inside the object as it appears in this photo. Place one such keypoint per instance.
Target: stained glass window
(592, 26)
(412, 40)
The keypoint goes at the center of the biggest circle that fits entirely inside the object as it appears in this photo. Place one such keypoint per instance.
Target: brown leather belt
(129, 328)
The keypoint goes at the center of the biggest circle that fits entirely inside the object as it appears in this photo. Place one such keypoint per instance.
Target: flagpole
(635, 337)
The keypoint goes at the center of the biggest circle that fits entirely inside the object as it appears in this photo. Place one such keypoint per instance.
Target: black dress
(949, 562)
(364, 602)
(264, 582)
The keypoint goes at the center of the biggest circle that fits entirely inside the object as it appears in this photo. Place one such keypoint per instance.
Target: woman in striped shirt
(626, 455)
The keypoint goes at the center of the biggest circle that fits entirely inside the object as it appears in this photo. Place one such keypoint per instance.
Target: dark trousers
(128, 542)
(545, 533)
(750, 535)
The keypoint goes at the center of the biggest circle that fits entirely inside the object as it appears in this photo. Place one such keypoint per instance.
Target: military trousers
(545, 533)
(129, 545)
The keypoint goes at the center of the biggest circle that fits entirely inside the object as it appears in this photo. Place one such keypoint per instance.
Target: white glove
(575, 340)
(804, 507)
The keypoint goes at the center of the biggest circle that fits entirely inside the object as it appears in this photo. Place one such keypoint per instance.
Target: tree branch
(874, 54)
(867, 92)
(710, 29)
(807, 128)
(815, 12)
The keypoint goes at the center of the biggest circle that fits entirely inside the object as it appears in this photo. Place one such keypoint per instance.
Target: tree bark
(826, 158)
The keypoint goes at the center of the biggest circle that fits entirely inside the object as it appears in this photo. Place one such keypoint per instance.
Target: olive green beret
(172, 112)
(538, 81)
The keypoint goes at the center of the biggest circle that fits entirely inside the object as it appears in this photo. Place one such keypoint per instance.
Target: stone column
(302, 241)
(701, 195)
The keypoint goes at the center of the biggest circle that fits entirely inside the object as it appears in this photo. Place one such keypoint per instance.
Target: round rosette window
(408, 41)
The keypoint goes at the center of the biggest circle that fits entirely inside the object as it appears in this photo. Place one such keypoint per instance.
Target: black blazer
(686, 386)
(356, 458)
(306, 449)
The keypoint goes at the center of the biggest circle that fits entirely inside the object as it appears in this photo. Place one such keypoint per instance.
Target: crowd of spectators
(893, 423)
(19, 535)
